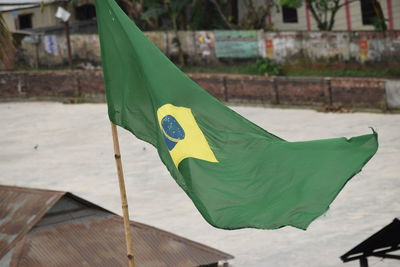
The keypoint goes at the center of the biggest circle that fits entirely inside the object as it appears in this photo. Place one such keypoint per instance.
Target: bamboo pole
(124, 201)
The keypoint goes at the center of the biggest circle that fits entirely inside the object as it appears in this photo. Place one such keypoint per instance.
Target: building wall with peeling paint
(203, 47)
(346, 18)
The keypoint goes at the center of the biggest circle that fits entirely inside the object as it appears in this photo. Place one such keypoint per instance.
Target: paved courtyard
(69, 148)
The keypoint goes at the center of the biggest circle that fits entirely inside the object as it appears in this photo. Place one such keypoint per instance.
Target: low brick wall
(74, 85)
(215, 84)
(254, 89)
(304, 91)
(358, 92)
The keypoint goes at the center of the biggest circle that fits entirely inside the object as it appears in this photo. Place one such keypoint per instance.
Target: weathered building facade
(36, 14)
(353, 16)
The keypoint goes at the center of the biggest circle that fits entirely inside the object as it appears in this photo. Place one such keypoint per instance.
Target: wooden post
(67, 35)
(37, 64)
(124, 201)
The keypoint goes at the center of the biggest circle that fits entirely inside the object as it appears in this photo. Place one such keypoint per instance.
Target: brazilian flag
(237, 174)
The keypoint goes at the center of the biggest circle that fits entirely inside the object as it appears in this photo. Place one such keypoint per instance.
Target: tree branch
(226, 21)
(314, 13)
(346, 3)
(333, 14)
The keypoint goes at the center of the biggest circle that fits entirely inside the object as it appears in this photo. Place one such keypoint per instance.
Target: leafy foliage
(169, 11)
(174, 11)
(204, 16)
(268, 67)
(135, 10)
(256, 15)
(379, 24)
(379, 21)
(164, 14)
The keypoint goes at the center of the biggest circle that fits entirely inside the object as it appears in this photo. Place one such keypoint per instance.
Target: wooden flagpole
(124, 201)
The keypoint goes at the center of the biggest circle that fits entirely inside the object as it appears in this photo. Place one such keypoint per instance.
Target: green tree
(322, 11)
(172, 15)
(174, 11)
(379, 19)
(218, 6)
(135, 10)
(191, 15)
(257, 14)
(203, 15)
(255, 17)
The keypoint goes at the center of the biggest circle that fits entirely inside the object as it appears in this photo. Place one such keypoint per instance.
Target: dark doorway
(25, 21)
(289, 15)
(368, 12)
(85, 12)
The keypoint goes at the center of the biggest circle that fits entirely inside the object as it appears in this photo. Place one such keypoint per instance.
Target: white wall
(277, 20)
(396, 14)
(340, 19)
(40, 17)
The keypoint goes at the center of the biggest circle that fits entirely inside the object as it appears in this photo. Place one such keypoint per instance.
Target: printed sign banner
(236, 44)
(364, 50)
(269, 44)
(205, 43)
(50, 44)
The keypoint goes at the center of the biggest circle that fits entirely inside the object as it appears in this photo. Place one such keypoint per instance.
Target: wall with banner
(236, 44)
(205, 47)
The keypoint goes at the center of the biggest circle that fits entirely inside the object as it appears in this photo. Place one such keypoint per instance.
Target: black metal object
(379, 245)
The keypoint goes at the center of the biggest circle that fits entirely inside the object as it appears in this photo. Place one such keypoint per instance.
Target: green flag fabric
(237, 174)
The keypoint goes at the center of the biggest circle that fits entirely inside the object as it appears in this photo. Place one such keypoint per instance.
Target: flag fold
(237, 174)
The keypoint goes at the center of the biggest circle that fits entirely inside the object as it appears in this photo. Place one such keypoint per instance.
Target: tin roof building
(53, 228)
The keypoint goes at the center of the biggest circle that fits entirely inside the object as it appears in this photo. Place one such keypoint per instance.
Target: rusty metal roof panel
(58, 234)
(99, 241)
(20, 210)
(175, 247)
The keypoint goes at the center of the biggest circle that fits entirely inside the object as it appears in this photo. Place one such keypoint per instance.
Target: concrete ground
(69, 148)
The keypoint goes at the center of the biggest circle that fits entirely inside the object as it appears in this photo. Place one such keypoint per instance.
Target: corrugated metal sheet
(67, 236)
(99, 241)
(172, 249)
(15, 7)
(20, 210)
(24, 2)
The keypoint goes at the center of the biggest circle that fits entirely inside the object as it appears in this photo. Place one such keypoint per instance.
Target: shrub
(268, 67)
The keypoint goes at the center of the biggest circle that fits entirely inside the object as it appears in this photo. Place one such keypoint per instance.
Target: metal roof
(10, 5)
(20, 210)
(6, 8)
(69, 231)
(24, 2)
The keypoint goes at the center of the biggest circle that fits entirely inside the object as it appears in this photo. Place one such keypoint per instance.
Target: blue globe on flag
(172, 131)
